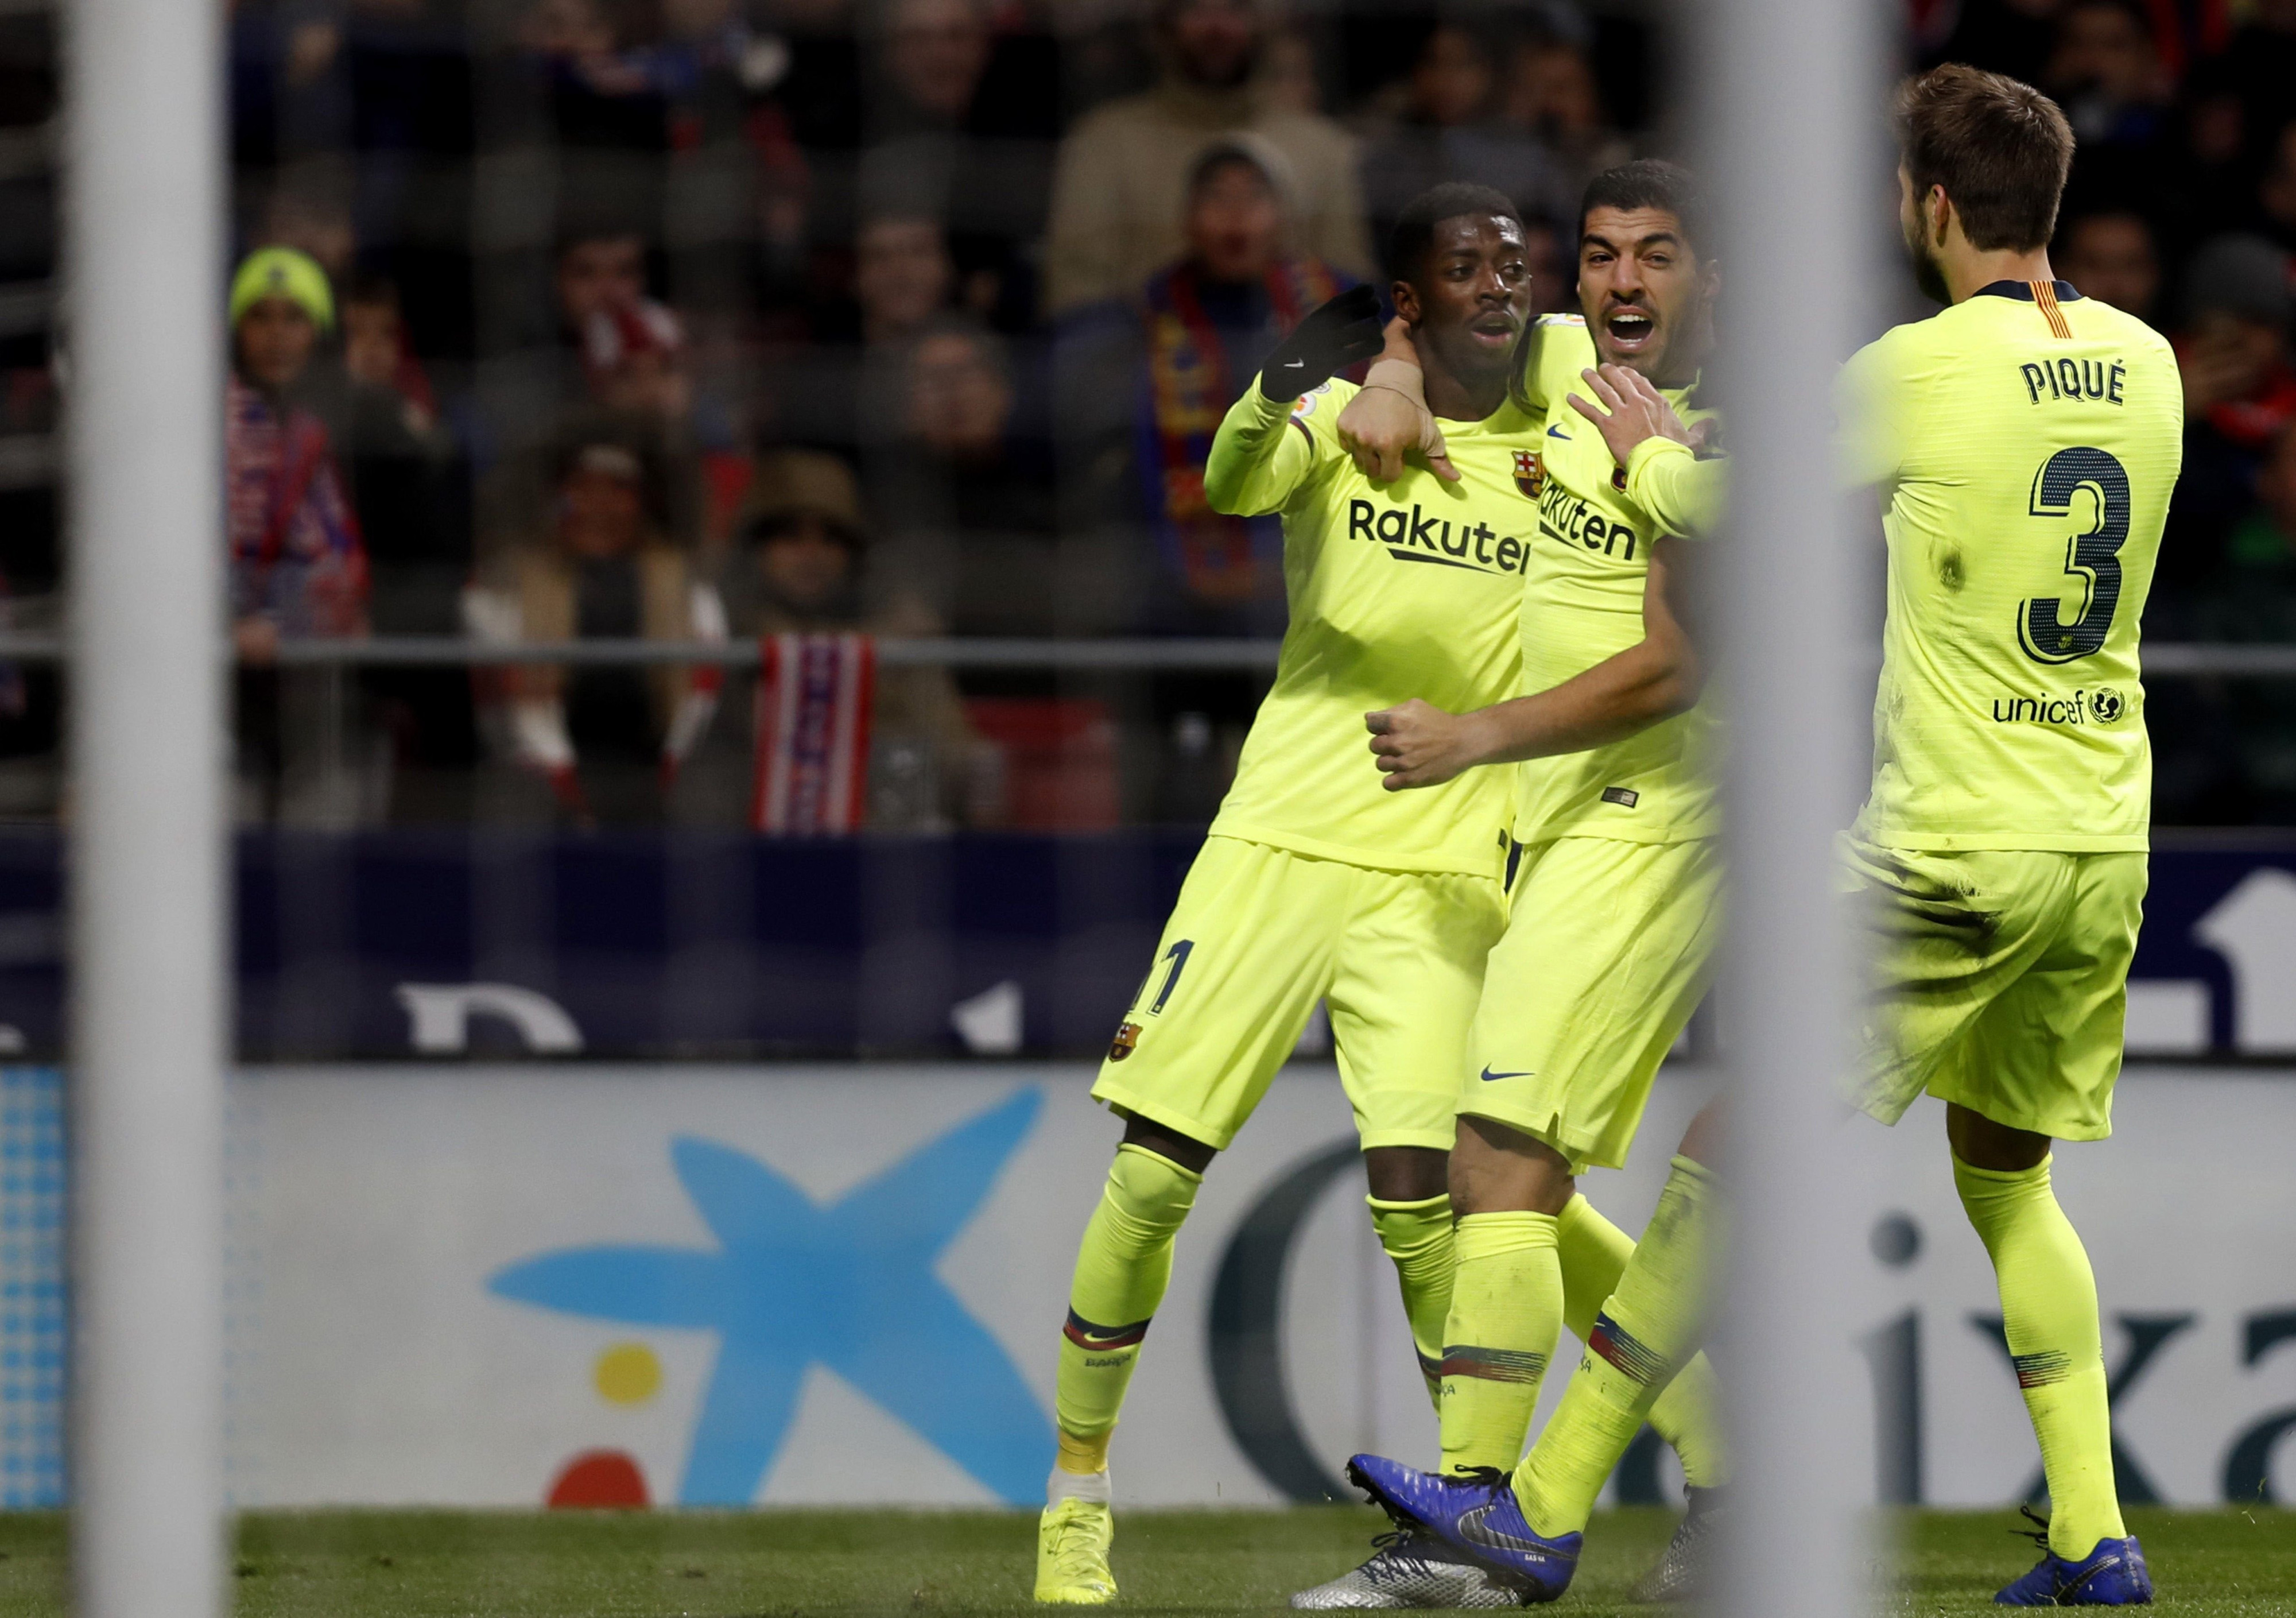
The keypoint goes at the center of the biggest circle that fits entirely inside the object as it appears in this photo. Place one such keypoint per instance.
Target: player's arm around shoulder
(1673, 471)
(1267, 450)
(1685, 493)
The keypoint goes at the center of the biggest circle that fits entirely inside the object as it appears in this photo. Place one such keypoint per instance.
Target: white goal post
(144, 306)
(1793, 91)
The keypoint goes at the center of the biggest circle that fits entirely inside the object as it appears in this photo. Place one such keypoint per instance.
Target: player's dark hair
(1648, 182)
(1414, 227)
(2000, 148)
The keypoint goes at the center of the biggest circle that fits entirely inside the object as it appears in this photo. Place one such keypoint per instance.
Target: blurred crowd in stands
(707, 320)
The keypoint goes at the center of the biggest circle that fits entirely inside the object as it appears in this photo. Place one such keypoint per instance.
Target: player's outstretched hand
(1335, 335)
(1633, 411)
(1416, 743)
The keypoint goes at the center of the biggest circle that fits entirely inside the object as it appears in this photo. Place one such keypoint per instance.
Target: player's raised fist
(1416, 743)
(1335, 335)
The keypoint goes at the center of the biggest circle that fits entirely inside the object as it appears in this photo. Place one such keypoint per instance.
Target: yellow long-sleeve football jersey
(1582, 602)
(1397, 590)
(2024, 443)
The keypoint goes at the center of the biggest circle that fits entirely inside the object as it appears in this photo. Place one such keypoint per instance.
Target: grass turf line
(2231, 1563)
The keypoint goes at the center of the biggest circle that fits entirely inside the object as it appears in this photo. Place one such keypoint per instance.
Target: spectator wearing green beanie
(298, 565)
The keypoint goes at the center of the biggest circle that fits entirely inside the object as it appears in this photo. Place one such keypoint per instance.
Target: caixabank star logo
(850, 1284)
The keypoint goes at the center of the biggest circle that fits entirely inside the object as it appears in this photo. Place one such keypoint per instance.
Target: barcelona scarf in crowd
(1223, 561)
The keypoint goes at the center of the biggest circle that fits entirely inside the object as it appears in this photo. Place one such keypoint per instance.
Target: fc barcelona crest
(1529, 472)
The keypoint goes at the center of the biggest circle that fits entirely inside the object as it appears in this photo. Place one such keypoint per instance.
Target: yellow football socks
(1647, 1329)
(1506, 1311)
(1417, 1235)
(1688, 1416)
(1123, 1269)
(2048, 1305)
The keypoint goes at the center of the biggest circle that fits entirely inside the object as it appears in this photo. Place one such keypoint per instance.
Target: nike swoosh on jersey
(1557, 433)
(1473, 1530)
(1295, 365)
(1489, 1076)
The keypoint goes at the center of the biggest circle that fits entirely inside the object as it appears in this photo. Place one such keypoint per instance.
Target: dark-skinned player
(1315, 884)
(1614, 910)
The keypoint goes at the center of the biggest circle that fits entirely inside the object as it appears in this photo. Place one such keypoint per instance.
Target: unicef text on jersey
(2101, 707)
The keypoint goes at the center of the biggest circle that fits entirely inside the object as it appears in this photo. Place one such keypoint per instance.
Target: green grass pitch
(826, 1564)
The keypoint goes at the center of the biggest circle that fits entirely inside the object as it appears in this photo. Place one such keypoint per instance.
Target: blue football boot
(1476, 1513)
(2113, 1574)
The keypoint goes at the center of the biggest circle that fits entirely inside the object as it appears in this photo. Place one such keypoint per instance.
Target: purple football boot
(2113, 1574)
(1476, 1513)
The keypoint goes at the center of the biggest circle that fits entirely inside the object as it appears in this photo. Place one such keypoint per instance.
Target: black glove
(1330, 340)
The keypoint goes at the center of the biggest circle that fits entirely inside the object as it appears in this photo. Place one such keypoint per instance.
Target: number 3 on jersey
(2091, 557)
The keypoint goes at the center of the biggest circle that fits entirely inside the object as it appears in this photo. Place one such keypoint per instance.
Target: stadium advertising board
(394, 944)
(493, 1286)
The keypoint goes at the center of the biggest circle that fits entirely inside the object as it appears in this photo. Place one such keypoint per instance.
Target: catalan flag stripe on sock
(1629, 1353)
(1493, 1365)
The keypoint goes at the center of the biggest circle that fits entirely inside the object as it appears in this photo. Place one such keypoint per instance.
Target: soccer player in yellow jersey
(2024, 442)
(1314, 884)
(1613, 914)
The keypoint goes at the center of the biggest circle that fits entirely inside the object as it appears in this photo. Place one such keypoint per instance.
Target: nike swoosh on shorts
(1489, 1076)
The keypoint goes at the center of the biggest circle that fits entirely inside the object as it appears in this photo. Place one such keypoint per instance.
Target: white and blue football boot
(1411, 1568)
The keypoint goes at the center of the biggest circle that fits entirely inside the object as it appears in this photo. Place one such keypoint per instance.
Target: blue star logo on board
(849, 1284)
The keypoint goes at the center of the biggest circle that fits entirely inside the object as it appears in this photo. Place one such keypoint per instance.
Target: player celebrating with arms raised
(1614, 915)
(1314, 884)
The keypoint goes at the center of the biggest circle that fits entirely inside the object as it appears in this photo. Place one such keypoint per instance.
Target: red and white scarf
(813, 696)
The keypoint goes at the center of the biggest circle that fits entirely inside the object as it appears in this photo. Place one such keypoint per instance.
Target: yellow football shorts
(1999, 981)
(1259, 935)
(1604, 961)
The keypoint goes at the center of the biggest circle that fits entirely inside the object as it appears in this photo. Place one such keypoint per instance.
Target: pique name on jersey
(1413, 536)
(2073, 378)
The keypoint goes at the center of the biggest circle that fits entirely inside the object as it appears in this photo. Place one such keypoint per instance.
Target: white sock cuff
(1066, 1485)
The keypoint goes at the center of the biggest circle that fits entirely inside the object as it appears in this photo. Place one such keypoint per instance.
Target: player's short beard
(1928, 274)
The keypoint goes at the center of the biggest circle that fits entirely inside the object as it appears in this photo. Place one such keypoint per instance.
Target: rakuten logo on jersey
(1567, 517)
(1413, 536)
